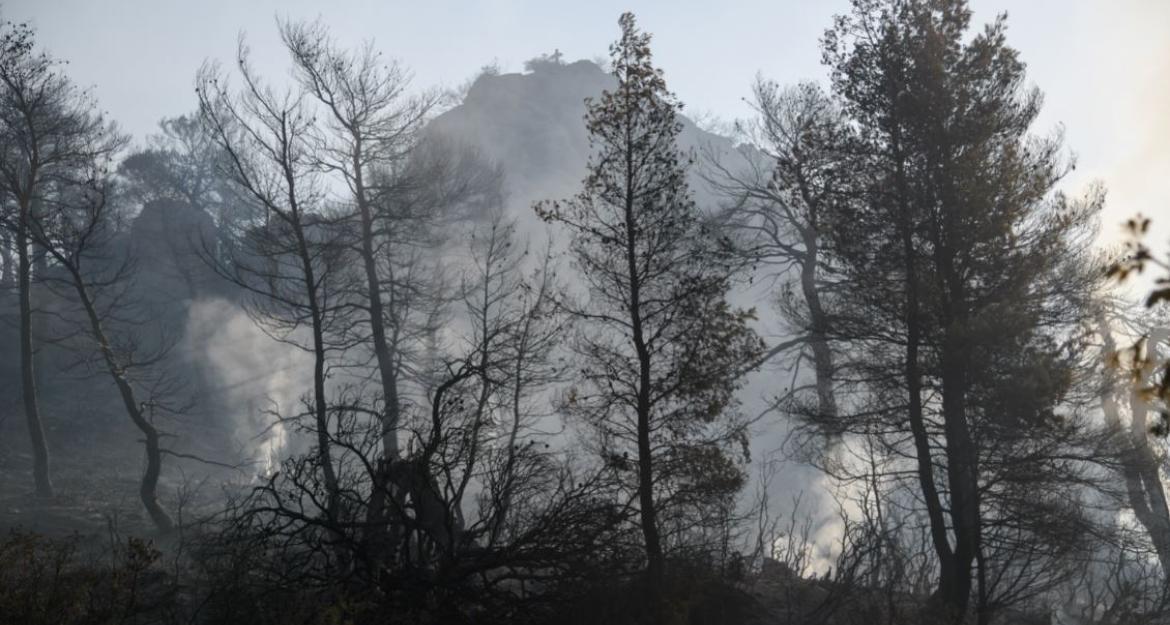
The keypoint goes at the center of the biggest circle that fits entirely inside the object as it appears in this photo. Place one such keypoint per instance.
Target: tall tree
(660, 348)
(369, 125)
(956, 197)
(291, 260)
(367, 139)
(49, 131)
(76, 230)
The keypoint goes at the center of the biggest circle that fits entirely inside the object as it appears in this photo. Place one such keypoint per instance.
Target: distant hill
(533, 125)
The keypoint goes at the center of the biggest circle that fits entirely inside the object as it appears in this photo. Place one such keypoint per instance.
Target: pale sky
(1103, 64)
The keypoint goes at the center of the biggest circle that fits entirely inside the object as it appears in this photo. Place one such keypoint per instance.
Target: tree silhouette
(660, 348)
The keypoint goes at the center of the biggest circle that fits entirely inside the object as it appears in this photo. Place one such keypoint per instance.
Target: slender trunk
(913, 380)
(44, 485)
(962, 462)
(818, 332)
(321, 413)
(8, 273)
(148, 489)
(320, 407)
(655, 568)
(379, 536)
(983, 612)
(962, 475)
(818, 320)
(655, 564)
(382, 351)
(504, 504)
(923, 457)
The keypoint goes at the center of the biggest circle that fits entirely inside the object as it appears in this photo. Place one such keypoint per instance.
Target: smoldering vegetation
(340, 348)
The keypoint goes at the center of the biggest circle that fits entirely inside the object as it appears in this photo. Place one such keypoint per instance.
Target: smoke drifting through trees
(361, 393)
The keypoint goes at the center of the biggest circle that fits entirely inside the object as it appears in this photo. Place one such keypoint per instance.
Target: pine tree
(659, 345)
(969, 277)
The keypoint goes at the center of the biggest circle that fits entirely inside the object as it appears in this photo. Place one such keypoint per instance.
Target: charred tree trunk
(655, 564)
(8, 271)
(962, 479)
(378, 515)
(954, 311)
(943, 600)
(320, 405)
(817, 317)
(923, 456)
(818, 333)
(148, 489)
(28, 379)
(962, 469)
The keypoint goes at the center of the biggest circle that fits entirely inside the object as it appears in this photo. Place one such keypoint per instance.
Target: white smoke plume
(254, 375)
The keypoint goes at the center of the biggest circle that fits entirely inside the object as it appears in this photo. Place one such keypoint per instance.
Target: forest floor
(96, 476)
(95, 481)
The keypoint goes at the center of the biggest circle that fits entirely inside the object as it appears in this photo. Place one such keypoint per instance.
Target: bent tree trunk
(148, 489)
(40, 448)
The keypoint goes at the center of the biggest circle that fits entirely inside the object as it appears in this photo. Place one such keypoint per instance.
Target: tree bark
(655, 564)
(962, 477)
(818, 332)
(818, 319)
(40, 448)
(8, 274)
(378, 514)
(950, 583)
(320, 406)
(148, 489)
(912, 376)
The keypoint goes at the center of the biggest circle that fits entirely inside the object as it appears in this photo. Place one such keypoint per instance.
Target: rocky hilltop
(533, 125)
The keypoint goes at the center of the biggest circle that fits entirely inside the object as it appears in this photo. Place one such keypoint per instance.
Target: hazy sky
(1103, 64)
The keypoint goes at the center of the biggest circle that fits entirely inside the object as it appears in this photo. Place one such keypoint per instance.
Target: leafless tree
(292, 258)
(780, 200)
(50, 131)
(367, 139)
(75, 230)
(369, 123)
